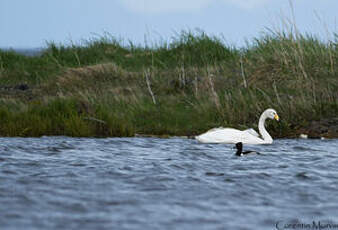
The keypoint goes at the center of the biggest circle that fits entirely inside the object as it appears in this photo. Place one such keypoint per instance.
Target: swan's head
(272, 114)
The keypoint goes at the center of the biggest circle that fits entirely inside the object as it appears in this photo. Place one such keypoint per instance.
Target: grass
(183, 87)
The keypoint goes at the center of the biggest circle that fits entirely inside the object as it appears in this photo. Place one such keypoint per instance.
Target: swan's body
(249, 136)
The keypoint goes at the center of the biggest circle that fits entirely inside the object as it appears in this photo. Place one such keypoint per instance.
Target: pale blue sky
(30, 23)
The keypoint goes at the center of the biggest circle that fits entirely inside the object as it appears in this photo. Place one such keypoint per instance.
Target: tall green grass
(182, 87)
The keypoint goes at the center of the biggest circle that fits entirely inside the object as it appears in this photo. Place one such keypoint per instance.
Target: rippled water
(150, 183)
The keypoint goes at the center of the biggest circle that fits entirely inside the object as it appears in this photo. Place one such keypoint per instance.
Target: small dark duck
(239, 147)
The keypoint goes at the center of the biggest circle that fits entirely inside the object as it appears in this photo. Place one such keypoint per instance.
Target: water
(150, 183)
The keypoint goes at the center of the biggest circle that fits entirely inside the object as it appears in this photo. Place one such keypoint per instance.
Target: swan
(248, 136)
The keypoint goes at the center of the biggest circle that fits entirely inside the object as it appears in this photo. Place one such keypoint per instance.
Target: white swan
(249, 136)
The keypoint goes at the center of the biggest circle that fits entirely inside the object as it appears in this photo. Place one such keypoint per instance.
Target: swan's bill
(276, 117)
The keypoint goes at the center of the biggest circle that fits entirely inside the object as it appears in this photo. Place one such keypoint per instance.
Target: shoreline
(323, 129)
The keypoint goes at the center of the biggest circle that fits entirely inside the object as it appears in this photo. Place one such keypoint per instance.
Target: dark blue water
(150, 183)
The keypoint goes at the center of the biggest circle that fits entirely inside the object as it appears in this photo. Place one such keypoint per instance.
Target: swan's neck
(261, 127)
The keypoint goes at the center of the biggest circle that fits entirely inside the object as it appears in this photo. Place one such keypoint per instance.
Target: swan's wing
(252, 132)
(222, 135)
(215, 129)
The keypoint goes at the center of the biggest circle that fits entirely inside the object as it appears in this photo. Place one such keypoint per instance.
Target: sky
(33, 23)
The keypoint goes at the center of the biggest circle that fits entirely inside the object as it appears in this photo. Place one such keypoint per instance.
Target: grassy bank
(184, 87)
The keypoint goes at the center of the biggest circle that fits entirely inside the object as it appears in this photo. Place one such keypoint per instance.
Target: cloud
(160, 6)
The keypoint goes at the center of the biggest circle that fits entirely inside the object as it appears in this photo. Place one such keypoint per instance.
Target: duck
(249, 136)
(240, 152)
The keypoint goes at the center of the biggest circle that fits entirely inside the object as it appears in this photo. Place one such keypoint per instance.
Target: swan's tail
(202, 139)
(198, 138)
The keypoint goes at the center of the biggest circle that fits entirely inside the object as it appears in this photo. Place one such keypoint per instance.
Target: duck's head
(239, 146)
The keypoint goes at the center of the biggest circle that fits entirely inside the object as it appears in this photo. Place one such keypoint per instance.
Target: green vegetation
(183, 87)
